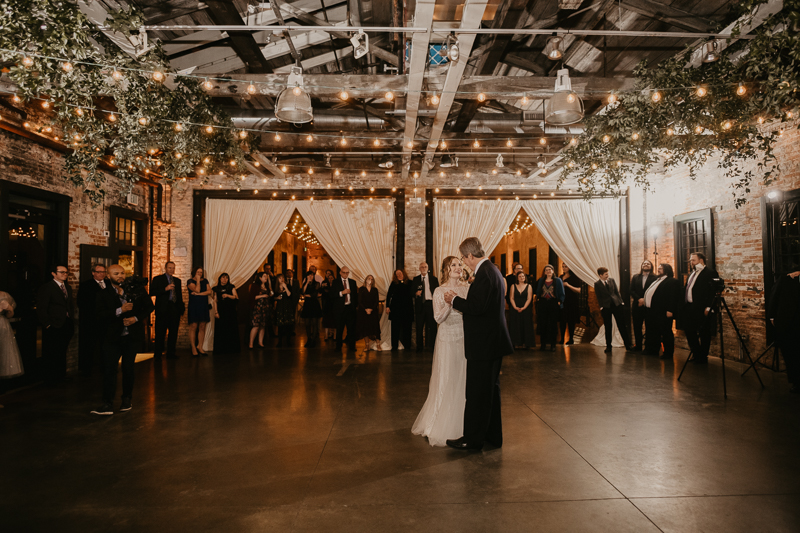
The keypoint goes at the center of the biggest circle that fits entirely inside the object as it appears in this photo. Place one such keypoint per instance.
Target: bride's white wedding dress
(442, 416)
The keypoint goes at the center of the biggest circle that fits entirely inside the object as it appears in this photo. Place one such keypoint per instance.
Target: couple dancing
(463, 406)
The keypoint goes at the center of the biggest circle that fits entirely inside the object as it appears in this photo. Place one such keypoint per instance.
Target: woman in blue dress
(199, 305)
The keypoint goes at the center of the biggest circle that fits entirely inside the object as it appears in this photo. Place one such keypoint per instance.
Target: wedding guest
(783, 312)
(511, 280)
(199, 290)
(122, 315)
(269, 329)
(520, 325)
(10, 360)
(285, 309)
(345, 292)
(328, 306)
(424, 286)
(317, 277)
(611, 304)
(294, 288)
(400, 308)
(226, 324)
(368, 323)
(549, 299)
(169, 308)
(56, 313)
(639, 284)
(662, 300)
(89, 336)
(312, 310)
(698, 317)
(261, 293)
(571, 312)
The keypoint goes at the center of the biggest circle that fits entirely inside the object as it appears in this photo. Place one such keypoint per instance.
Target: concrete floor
(292, 440)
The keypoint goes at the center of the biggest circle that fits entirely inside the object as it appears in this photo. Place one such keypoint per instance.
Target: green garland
(713, 110)
(84, 95)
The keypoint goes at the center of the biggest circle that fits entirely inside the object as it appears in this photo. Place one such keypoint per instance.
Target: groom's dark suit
(486, 341)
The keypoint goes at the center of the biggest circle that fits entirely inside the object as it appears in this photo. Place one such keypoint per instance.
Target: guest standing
(199, 290)
(328, 306)
(698, 316)
(783, 311)
(639, 285)
(226, 323)
(571, 312)
(10, 360)
(400, 307)
(662, 300)
(294, 287)
(549, 300)
(511, 280)
(261, 293)
(122, 318)
(284, 310)
(56, 312)
(520, 325)
(611, 304)
(345, 292)
(89, 336)
(369, 321)
(312, 310)
(169, 309)
(424, 285)
(269, 329)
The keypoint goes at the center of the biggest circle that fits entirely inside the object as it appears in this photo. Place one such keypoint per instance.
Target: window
(694, 232)
(533, 263)
(294, 265)
(128, 231)
(780, 219)
(552, 259)
(128, 239)
(503, 264)
(271, 259)
(284, 261)
(516, 256)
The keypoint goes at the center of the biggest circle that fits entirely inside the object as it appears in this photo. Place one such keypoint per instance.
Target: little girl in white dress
(10, 361)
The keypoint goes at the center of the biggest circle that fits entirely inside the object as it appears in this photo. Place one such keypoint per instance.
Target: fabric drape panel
(585, 236)
(359, 235)
(456, 220)
(238, 237)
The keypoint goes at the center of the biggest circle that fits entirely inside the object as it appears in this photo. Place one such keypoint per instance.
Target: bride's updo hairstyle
(445, 275)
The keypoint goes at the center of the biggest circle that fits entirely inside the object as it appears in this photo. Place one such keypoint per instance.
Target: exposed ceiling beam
(517, 61)
(269, 165)
(243, 43)
(471, 18)
(256, 171)
(164, 11)
(672, 16)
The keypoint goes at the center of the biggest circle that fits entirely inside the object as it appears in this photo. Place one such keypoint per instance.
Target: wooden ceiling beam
(243, 43)
(668, 14)
(269, 165)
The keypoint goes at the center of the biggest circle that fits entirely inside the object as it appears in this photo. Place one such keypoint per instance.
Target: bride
(442, 416)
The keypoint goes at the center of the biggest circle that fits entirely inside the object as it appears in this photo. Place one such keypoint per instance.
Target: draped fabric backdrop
(239, 235)
(360, 235)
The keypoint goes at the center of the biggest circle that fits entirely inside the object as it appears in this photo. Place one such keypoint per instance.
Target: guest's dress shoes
(105, 410)
(126, 404)
(462, 444)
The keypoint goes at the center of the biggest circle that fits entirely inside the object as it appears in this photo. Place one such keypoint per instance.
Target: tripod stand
(720, 300)
(776, 364)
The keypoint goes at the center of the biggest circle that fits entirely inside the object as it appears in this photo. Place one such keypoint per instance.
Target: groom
(486, 341)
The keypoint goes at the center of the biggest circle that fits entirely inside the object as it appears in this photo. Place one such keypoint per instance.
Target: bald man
(121, 318)
(423, 287)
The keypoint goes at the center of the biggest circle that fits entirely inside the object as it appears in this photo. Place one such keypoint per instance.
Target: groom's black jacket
(485, 331)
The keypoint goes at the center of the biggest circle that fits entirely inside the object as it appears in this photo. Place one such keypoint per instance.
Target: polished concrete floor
(312, 440)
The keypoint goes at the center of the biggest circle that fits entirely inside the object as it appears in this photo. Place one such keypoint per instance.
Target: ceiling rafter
(243, 43)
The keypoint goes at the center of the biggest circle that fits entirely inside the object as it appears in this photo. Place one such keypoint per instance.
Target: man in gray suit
(611, 304)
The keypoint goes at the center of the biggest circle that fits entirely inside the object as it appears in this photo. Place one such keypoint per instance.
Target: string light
(27, 62)
(158, 76)
(343, 141)
(310, 170)
(277, 136)
(481, 97)
(363, 173)
(760, 120)
(256, 164)
(542, 141)
(443, 145)
(509, 143)
(635, 136)
(178, 127)
(656, 97)
(670, 131)
(45, 104)
(283, 168)
(524, 100)
(573, 141)
(519, 173)
(612, 98)
(207, 85)
(209, 129)
(251, 89)
(476, 144)
(343, 95)
(410, 145)
(309, 138)
(701, 91)
(494, 171)
(206, 160)
(606, 138)
(698, 129)
(143, 121)
(741, 90)
(242, 134)
(66, 66)
(336, 172)
(16, 99)
(389, 95)
(727, 125)
(376, 142)
(434, 99)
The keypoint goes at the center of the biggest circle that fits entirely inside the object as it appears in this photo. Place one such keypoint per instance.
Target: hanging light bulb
(389, 95)
(66, 66)
(242, 134)
(670, 131)
(410, 145)
(178, 126)
(656, 96)
(207, 85)
(45, 104)
(542, 141)
(509, 143)
(573, 141)
(701, 92)
(277, 136)
(310, 170)
(612, 98)
(741, 90)
(376, 142)
(727, 125)
(606, 138)
(760, 120)
(116, 75)
(336, 172)
(481, 97)
(309, 138)
(143, 121)
(343, 95)
(343, 141)
(363, 175)
(698, 129)
(283, 168)
(434, 99)
(443, 145)
(251, 89)
(524, 100)
(158, 76)
(16, 99)
(476, 144)
(209, 129)
(27, 62)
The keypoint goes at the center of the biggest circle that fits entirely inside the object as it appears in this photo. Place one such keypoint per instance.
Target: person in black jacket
(663, 302)
(400, 308)
(611, 304)
(89, 337)
(698, 318)
(783, 312)
(423, 287)
(56, 313)
(344, 292)
(169, 309)
(639, 284)
(486, 341)
(122, 318)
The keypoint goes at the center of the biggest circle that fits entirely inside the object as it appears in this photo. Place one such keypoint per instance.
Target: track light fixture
(386, 162)
(710, 51)
(453, 48)
(553, 48)
(448, 161)
(360, 42)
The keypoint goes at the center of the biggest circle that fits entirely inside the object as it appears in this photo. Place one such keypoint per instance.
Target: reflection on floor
(315, 440)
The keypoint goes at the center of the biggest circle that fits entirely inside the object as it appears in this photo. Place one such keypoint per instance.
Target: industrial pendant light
(294, 103)
(553, 48)
(564, 107)
(710, 51)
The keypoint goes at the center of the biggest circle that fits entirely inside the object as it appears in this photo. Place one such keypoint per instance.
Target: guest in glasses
(56, 312)
(169, 308)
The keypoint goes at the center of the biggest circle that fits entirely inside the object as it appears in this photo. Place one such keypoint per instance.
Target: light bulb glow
(434, 99)
(143, 121)
(701, 92)
(741, 90)
(542, 141)
(66, 66)
(612, 98)
(376, 142)
(251, 89)
(158, 76)
(297, 90)
(343, 95)
(209, 129)
(277, 136)
(27, 61)
(179, 127)
(656, 97)
(389, 95)
(207, 85)
(698, 130)
(606, 138)
(309, 138)
(524, 100)
(509, 143)
(242, 134)
(481, 97)
(670, 131)
(635, 137)
(476, 144)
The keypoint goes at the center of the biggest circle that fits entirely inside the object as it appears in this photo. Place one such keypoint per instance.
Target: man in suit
(783, 312)
(611, 304)
(511, 280)
(169, 309)
(424, 285)
(294, 288)
(89, 337)
(698, 318)
(639, 284)
(486, 341)
(345, 301)
(122, 317)
(56, 312)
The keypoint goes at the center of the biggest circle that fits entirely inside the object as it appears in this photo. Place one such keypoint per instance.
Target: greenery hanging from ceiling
(684, 116)
(141, 122)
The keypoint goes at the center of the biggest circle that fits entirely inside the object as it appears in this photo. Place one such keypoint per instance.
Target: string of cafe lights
(301, 230)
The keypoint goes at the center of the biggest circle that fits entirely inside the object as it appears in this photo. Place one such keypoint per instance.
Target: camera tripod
(719, 301)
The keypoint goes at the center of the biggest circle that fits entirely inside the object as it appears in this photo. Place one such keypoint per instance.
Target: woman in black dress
(199, 290)
(368, 323)
(260, 307)
(328, 306)
(284, 310)
(662, 301)
(571, 312)
(549, 299)
(226, 325)
(312, 311)
(399, 307)
(520, 322)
